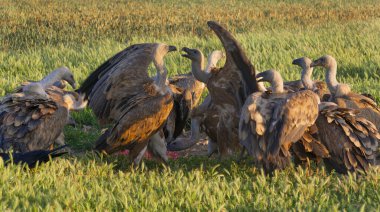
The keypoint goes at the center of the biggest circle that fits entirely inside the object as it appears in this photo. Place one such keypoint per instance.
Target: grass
(38, 36)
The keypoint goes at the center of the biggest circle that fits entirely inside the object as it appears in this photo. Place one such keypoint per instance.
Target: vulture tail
(238, 56)
(31, 158)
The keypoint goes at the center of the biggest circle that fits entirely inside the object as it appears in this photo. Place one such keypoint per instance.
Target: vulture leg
(137, 159)
(212, 147)
(157, 145)
(60, 140)
(184, 143)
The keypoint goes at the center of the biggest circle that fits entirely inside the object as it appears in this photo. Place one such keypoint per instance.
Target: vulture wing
(352, 141)
(237, 70)
(28, 123)
(117, 80)
(291, 118)
(367, 107)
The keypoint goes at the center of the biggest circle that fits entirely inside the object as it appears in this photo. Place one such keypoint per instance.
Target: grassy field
(38, 36)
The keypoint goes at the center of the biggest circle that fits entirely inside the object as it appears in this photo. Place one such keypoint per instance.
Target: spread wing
(29, 123)
(237, 70)
(117, 80)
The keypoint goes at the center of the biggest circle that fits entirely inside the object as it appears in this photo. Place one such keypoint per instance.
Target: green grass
(38, 36)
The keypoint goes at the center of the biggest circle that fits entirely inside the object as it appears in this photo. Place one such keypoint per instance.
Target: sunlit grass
(38, 36)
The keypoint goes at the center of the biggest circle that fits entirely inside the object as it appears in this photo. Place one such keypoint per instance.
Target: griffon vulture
(121, 92)
(221, 110)
(317, 86)
(271, 122)
(341, 93)
(34, 119)
(351, 140)
(191, 88)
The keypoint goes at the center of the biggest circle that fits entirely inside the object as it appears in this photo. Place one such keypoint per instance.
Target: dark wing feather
(29, 124)
(291, 118)
(123, 75)
(352, 141)
(137, 124)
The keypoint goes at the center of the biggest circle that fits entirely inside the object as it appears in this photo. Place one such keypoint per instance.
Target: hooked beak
(260, 77)
(187, 50)
(72, 83)
(295, 62)
(172, 48)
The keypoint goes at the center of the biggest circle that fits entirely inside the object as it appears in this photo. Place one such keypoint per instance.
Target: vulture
(271, 122)
(34, 119)
(121, 93)
(341, 93)
(317, 86)
(352, 141)
(221, 110)
(33, 157)
(191, 88)
(57, 78)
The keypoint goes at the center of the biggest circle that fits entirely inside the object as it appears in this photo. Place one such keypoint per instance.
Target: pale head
(325, 61)
(161, 50)
(270, 76)
(67, 76)
(303, 62)
(193, 54)
(274, 78)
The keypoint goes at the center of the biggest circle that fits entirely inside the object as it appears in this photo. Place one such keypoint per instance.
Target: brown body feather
(31, 123)
(352, 141)
(271, 123)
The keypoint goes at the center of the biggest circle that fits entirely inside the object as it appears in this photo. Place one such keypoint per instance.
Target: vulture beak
(172, 48)
(295, 62)
(261, 77)
(187, 50)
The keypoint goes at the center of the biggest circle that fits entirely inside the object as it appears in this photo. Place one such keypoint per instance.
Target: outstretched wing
(237, 72)
(118, 80)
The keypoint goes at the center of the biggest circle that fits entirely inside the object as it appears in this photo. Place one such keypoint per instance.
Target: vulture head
(193, 54)
(67, 76)
(303, 62)
(324, 61)
(274, 78)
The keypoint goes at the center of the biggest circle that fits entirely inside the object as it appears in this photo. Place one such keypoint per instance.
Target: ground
(37, 36)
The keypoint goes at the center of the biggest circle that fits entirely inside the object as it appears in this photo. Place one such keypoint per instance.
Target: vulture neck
(162, 73)
(277, 84)
(53, 77)
(306, 78)
(331, 81)
(196, 69)
(261, 87)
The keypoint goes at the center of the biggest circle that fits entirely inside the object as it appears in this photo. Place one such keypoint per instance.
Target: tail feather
(33, 157)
